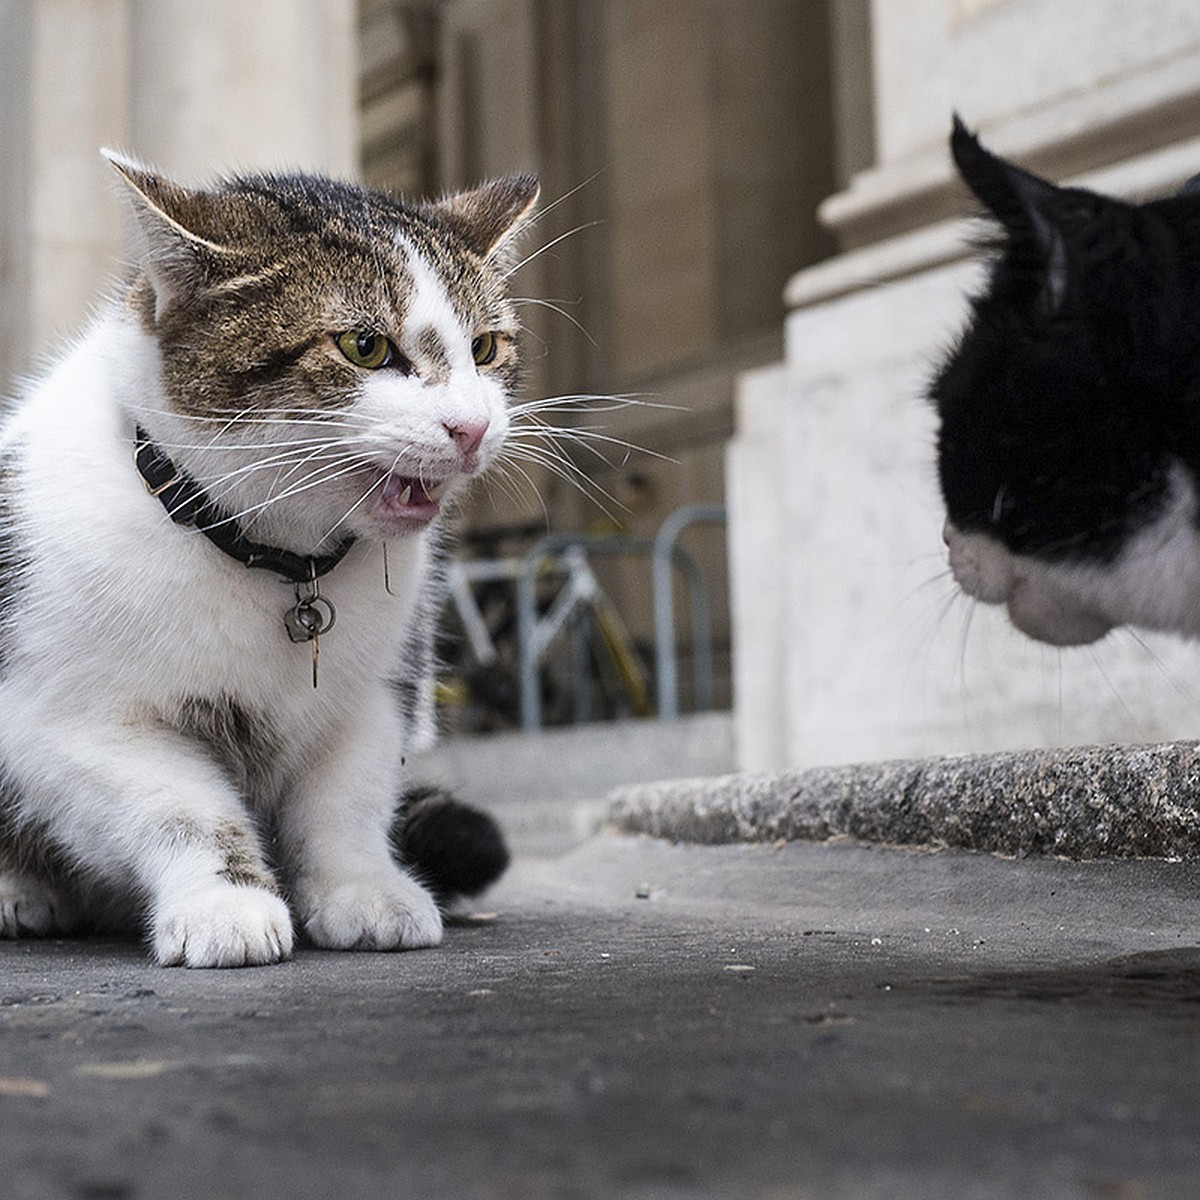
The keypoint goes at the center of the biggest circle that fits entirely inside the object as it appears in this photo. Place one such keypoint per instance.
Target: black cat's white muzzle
(1039, 605)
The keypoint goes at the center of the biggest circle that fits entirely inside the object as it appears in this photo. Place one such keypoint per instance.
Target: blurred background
(762, 244)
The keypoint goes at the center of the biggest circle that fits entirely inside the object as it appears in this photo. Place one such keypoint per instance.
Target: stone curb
(1085, 802)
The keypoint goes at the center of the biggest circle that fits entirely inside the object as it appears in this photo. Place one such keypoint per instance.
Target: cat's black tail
(452, 848)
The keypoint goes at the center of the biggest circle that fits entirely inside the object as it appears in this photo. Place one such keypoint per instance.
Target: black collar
(187, 503)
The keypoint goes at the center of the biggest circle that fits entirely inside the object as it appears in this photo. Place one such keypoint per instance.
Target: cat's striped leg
(347, 888)
(204, 916)
(144, 813)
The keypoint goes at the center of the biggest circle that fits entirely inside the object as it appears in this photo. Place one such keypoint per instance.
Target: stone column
(192, 88)
(229, 84)
(63, 73)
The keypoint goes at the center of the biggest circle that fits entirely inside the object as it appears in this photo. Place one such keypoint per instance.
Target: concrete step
(1087, 802)
(549, 789)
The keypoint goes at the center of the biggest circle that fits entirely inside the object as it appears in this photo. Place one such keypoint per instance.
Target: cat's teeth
(406, 495)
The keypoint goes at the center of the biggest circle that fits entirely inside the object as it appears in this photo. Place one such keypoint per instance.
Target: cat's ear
(488, 217)
(177, 225)
(1026, 205)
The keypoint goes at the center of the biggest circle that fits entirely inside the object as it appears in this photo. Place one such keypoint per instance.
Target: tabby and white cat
(218, 522)
(1069, 449)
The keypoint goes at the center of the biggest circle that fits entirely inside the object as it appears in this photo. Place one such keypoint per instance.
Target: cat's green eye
(484, 348)
(367, 350)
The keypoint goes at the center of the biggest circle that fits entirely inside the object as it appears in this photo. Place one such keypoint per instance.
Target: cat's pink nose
(467, 436)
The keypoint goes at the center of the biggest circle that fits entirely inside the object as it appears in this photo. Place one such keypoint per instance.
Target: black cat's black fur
(1077, 383)
(1070, 407)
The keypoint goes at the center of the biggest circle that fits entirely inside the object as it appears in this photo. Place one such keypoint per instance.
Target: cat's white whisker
(568, 473)
(589, 402)
(546, 209)
(500, 477)
(319, 477)
(294, 457)
(379, 483)
(562, 237)
(556, 307)
(584, 438)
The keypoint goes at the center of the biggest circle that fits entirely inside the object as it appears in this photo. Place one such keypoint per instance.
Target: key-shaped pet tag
(311, 616)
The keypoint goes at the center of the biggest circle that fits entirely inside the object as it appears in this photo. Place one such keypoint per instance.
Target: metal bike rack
(665, 552)
(568, 554)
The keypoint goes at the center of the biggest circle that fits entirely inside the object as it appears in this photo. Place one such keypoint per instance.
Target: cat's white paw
(393, 913)
(29, 906)
(224, 925)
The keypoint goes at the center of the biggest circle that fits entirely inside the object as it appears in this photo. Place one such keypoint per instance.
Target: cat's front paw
(29, 906)
(224, 925)
(390, 913)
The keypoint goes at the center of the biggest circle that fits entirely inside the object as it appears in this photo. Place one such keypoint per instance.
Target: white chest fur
(121, 606)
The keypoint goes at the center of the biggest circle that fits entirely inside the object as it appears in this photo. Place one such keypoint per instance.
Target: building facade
(749, 230)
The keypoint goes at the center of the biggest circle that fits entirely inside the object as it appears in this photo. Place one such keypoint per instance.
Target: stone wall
(191, 88)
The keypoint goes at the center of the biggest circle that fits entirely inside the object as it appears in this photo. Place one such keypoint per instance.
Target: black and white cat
(218, 516)
(1069, 446)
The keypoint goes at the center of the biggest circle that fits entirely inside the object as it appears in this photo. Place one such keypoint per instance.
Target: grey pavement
(640, 1018)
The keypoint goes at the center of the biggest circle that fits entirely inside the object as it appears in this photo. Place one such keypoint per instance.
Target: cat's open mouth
(406, 498)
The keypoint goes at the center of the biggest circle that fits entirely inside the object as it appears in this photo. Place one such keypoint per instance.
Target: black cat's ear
(488, 217)
(178, 226)
(1025, 204)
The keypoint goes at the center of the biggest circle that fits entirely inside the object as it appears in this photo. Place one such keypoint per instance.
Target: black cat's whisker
(939, 603)
(1180, 688)
(964, 637)
(941, 613)
(1114, 691)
